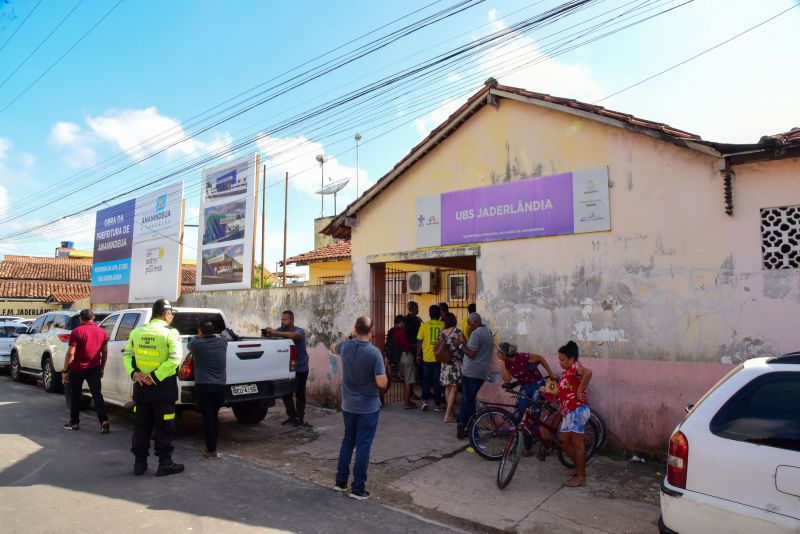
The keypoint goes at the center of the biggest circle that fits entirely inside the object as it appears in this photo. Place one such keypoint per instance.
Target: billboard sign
(567, 203)
(227, 225)
(137, 249)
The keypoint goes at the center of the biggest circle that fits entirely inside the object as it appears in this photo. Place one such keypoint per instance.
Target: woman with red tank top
(574, 401)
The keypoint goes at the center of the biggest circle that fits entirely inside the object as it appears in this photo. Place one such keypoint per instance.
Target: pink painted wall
(641, 401)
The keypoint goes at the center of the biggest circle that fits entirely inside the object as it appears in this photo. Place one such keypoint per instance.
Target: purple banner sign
(526, 208)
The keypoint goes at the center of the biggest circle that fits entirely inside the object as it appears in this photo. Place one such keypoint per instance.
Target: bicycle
(531, 427)
(490, 428)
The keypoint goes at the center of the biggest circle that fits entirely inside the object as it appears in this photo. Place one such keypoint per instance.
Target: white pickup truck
(258, 370)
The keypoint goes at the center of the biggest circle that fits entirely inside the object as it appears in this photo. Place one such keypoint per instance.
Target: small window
(188, 324)
(763, 412)
(128, 323)
(780, 237)
(456, 287)
(21, 329)
(38, 324)
(108, 324)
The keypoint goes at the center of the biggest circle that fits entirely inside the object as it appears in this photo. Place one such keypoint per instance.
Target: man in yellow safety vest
(151, 358)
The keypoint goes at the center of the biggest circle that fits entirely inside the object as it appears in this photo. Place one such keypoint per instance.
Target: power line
(195, 164)
(707, 50)
(62, 56)
(21, 24)
(380, 43)
(47, 37)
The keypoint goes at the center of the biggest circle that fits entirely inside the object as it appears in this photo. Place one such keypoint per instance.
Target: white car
(8, 334)
(734, 461)
(42, 349)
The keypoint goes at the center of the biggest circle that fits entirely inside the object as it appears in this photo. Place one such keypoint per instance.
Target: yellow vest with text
(154, 349)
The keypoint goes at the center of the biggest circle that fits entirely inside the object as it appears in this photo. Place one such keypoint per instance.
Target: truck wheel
(16, 368)
(249, 413)
(51, 380)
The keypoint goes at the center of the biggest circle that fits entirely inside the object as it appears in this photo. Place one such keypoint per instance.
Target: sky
(84, 83)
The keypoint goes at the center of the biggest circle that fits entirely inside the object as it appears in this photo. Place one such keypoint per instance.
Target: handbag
(444, 356)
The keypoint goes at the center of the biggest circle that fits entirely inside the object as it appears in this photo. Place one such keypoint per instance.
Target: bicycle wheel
(489, 432)
(590, 441)
(600, 424)
(510, 460)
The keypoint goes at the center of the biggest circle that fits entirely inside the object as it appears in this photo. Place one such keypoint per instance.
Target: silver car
(9, 331)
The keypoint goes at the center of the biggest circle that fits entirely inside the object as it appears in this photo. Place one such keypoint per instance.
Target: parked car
(11, 319)
(9, 331)
(734, 460)
(41, 350)
(258, 370)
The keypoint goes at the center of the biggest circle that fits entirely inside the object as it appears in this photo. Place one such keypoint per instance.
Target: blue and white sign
(137, 249)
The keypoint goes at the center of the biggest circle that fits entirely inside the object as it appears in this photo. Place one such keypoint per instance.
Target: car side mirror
(689, 407)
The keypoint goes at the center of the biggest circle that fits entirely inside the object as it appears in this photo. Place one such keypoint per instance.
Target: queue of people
(446, 357)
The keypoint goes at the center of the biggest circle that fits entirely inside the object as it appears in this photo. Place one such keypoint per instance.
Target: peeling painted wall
(327, 313)
(675, 280)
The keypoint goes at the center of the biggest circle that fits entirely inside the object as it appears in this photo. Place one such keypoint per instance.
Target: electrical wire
(62, 56)
(43, 41)
(21, 24)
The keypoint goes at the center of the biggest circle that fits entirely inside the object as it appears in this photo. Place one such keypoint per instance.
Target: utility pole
(358, 138)
(285, 223)
(263, 219)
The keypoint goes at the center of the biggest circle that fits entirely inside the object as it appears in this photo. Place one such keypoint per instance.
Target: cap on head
(160, 307)
(508, 349)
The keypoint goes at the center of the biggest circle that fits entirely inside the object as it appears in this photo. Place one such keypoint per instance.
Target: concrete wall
(675, 280)
(326, 313)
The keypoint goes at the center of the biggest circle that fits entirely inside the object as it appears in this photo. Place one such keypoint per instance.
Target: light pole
(321, 159)
(358, 138)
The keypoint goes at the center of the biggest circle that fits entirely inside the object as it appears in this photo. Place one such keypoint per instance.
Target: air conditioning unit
(420, 282)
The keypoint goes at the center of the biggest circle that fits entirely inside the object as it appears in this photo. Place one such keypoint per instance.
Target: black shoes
(104, 428)
(288, 422)
(139, 468)
(169, 469)
(362, 495)
(72, 426)
(460, 434)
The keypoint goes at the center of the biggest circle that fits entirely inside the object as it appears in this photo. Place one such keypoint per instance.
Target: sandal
(575, 482)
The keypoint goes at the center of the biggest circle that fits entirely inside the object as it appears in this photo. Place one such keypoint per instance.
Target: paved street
(52, 480)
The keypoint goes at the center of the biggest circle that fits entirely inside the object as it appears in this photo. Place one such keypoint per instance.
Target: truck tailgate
(258, 359)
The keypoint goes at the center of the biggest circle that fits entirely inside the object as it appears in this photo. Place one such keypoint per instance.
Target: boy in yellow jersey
(465, 323)
(427, 337)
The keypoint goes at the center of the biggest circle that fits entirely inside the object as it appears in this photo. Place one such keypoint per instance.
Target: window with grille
(780, 237)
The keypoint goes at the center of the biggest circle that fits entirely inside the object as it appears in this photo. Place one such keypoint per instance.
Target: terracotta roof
(188, 275)
(340, 225)
(40, 289)
(785, 138)
(66, 297)
(32, 268)
(339, 250)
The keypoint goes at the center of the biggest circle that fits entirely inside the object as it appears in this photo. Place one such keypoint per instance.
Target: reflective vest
(154, 349)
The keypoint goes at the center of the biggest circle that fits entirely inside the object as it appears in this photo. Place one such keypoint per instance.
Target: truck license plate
(245, 389)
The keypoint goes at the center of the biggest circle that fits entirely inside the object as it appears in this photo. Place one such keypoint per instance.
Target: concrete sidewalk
(418, 463)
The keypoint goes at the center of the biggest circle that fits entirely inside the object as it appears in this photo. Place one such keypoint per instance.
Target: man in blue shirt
(364, 378)
(295, 411)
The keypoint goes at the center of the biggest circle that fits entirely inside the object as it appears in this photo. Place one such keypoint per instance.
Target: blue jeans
(359, 431)
(469, 388)
(531, 390)
(430, 378)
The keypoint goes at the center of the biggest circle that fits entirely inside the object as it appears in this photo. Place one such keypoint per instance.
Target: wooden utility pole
(263, 219)
(285, 222)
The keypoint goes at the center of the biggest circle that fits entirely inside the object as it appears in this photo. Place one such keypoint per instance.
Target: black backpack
(392, 351)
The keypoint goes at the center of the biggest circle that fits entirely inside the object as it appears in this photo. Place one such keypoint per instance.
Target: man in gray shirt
(209, 355)
(475, 368)
(364, 378)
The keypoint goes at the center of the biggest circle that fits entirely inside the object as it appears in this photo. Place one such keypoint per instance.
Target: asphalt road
(54, 480)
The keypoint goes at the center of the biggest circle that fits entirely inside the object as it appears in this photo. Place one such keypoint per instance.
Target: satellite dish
(333, 188)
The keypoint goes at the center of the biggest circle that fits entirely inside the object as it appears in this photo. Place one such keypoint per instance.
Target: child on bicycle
(523, 367)
(574, 401)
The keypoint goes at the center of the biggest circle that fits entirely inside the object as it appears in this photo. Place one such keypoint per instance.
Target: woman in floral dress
(450, 377)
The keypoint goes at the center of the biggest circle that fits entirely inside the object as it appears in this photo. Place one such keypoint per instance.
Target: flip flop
(575, 482)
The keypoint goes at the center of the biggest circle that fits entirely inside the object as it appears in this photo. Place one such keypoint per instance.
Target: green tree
(269, 280)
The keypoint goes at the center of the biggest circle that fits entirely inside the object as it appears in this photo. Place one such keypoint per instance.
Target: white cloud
(127, 129)
(437, 116)
(76, 144)
(5, 147)
(297, 156)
